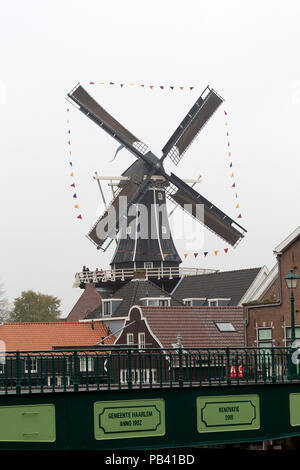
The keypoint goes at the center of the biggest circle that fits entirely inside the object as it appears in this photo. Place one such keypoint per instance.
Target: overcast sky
(247, 51)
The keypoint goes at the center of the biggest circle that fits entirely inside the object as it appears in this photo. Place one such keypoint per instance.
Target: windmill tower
(138, 210)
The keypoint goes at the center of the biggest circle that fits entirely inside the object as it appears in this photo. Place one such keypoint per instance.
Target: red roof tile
(44, 336)
(196, 326)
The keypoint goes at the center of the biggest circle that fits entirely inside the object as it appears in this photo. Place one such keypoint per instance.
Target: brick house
(268, 319)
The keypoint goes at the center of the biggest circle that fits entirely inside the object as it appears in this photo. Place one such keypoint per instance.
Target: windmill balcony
(113, 275)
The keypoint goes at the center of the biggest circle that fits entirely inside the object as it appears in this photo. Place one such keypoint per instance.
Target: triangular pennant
(226, 123)
(236, 195)
(111, 83)
(230, 165)
(237, 206)
(226, 250)
(233, 185)
(76, 206)
(142, 85)
(92, 83)
(165, 255)
(72, 174)
(185, 255)
(181, 87)
(101, 83)
(172, 88)
(205, 253)
(69, 142)
(196, 254)
(69, 132)
(79, 216)
(121, 85)
(70, 153)
(71, 163)
(191, 87)
(75, 195)
(229, 154)
(225, 113)
(151, 86)
(131, 84)
(68, 110)
(227, 133)
(68, 122)
(216, 252)
(161, 87)
(73, 185)
(232, 175)
(228, 144)
(240, 216)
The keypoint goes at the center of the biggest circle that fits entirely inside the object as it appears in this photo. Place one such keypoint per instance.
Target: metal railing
(113, 275)
(130, 368)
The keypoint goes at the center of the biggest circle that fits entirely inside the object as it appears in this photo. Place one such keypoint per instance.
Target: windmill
(146, 184)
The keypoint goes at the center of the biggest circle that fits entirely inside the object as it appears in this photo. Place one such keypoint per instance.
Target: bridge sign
(129, 418)
(228, 413)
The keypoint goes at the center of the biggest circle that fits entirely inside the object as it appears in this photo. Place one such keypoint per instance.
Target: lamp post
(291, 280)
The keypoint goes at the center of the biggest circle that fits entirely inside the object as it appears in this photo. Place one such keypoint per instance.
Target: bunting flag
(216, 252)
(237, 206)
(143, 85)
(165, 255)
(205, 253)
(76, 206)
(226, 250)
(196, 254)
(185, 255)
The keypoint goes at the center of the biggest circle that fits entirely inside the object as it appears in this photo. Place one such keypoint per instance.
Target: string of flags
(72, 175)
(231, 167)
(142, 85)
(195, 254)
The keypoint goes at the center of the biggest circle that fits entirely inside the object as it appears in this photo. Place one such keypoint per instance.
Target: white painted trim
(261, 276)
(287, 241)
(265, 283)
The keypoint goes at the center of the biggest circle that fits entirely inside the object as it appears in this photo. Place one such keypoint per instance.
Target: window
(288, 333)
(128, 230)
(160, 196)
(106, 308)
(218, 302)
(148, 265)
(196, 302)
(156, 301)
(163, 229)
(264, 340)
(86, 364)
(59, 380)
(139, 376)
(32, 363)
(130, 338)
(142, 340)
(225, 326)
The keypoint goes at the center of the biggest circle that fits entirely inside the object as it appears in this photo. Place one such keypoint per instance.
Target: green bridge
(108, 398)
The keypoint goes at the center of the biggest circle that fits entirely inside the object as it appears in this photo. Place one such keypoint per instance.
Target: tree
(34, 307)
(4, 306)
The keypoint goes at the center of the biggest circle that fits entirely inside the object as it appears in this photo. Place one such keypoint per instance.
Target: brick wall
(277, 316)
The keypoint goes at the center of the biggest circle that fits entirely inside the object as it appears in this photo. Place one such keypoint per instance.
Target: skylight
(225, 326)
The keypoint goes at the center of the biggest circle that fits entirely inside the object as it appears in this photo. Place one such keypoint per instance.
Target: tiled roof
(196, 326)
(44, 336)
(226, 284)
(131, 293)
(88, 301)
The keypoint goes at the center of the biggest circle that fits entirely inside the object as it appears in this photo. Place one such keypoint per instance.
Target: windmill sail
(108, 224)
(212, 217)
(191, 125)
(100, 116)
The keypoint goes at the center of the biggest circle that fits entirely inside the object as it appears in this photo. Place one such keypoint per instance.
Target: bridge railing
(129, 368)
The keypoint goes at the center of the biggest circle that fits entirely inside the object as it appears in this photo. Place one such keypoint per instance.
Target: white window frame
(130, 339)
(128, 230)
(217, 301)
(82, 363)
(163, 229)
(168, 299)
(110, 302)
(148, 265)
(160, 196)
(136, 376)
(142, 340)
(59, 380)
(34, 365)
(190, 299)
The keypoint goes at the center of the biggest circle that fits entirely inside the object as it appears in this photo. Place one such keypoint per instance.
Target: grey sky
(248, 51)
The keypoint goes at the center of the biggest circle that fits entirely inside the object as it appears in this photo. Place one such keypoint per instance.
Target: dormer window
(156, 301)
(148, 265)
(109, 306)
(194, 302)
(218, 302)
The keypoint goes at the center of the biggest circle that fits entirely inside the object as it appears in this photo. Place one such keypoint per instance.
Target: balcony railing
(116, 369)
(113, 275)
